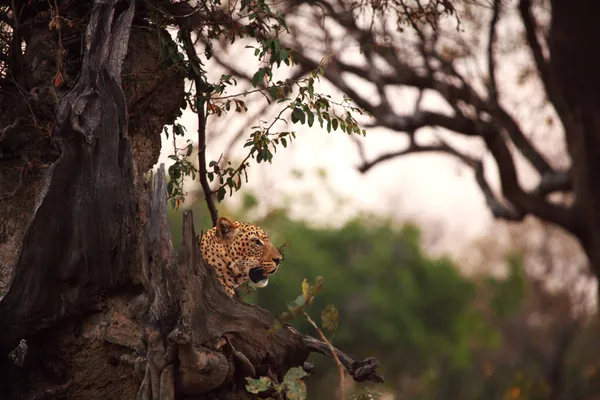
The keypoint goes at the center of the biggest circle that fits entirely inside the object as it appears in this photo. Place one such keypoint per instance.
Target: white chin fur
(260, 284)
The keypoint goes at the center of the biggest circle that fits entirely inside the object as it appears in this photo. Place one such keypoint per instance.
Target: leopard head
(240, 252)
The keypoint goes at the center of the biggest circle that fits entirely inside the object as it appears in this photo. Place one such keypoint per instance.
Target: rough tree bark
(94, 302)
(574, 65)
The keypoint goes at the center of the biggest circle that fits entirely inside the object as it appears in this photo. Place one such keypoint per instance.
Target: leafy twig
(333, 352)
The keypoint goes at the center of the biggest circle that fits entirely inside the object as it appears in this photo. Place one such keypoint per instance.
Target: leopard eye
(257, 241)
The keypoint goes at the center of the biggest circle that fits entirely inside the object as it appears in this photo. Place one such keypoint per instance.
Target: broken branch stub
(214, 341)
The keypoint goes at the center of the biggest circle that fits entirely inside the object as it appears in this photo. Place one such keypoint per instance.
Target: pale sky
(432, 190)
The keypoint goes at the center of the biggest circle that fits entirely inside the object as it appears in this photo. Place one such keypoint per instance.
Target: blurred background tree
(502, 91)
(506, 89)
(439, 332)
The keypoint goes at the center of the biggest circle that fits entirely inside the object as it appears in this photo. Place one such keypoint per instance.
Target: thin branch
(242, 166)
(496, 206)
(511, 189)
(200, 109)
(373, 75)
(361, 371)
(523, 202)
(559, 181)
(516, 135)
(333, 74)
(238, 135)
(334, 354)
(360, 147)
(541, 62)
(404, 76)
(208, 197)
(496, 132)
(412, 149)
(493, 88)
(421, 119)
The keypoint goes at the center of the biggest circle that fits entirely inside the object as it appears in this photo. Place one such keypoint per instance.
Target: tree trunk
(95, 304)
(575, 63)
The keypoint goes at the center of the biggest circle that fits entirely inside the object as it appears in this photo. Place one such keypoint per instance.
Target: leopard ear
(225, 228)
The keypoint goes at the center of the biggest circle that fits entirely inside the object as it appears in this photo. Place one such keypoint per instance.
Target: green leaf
(274, 92)
(295, 386)
(221, 194)
(311, 118)
(258, 385)
(174, 172)
(299, 302)
(334, 123)
(294, 373)
(305, 288)
(330, 317)
(319, 282)
(298, 115)
(258, 77)
(283, 54)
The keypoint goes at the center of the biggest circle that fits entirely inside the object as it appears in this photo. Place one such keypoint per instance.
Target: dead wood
(214, 340)
(94, 301)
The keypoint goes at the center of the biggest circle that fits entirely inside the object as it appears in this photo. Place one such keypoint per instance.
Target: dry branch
(200, 102)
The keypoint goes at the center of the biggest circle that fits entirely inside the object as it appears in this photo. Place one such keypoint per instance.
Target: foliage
(292, 386)
(378, 275)
(297, 99)
(437, 333)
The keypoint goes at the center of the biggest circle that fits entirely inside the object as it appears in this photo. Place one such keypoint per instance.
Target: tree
(374, 50)
(437, 332)
(94, 302)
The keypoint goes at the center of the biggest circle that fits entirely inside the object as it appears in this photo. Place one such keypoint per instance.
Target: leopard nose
(277, 260)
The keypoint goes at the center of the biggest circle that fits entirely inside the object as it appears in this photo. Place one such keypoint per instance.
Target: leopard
(239, 252)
